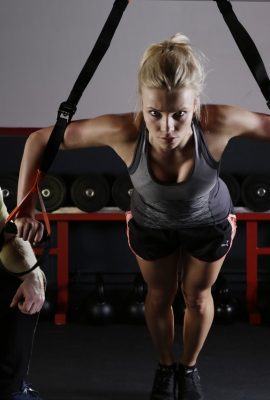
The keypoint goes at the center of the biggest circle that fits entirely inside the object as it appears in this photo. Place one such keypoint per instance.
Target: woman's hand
(30, 229)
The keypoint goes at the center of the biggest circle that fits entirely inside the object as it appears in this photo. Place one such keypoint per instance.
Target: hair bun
(179, 38)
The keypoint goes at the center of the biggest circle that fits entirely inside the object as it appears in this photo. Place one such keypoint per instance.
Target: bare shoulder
(230, 121)
(216, 118)
(220, 123)
(104, 130)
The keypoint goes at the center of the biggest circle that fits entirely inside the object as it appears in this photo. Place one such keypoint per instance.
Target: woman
(180, 209)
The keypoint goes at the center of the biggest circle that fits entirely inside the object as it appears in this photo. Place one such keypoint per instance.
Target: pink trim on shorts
(233, 221)
(129, 216)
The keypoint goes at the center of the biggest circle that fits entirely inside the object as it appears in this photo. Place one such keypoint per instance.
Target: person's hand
(30, 229)
(30, 295)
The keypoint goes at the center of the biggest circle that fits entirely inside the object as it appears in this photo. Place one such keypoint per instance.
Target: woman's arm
(233, 121)
(222, 122)
(116, 131)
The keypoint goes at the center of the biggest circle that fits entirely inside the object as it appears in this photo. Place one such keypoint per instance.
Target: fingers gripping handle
(10, 228)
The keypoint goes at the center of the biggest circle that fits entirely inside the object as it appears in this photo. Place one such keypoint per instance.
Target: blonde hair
(172, 64)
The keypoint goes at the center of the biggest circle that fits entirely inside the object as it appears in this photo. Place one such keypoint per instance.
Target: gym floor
(117, 362)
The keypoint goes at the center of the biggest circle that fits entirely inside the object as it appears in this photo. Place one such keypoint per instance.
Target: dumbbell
(8, 184)
(121, 191)
(255, 192)
(53, 191)
(90, 192)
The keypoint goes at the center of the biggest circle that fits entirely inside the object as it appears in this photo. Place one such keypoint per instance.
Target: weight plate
(255, 192)
(90, 192)
(233, 186)
(8, 184)
(121, 191)
(53, 191)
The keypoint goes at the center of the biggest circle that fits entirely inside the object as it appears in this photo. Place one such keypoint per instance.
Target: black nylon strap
(100, 48)
(65, 114)
(68, 108)
(247, 47)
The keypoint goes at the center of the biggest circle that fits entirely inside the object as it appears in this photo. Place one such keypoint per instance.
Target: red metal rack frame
(252, 252)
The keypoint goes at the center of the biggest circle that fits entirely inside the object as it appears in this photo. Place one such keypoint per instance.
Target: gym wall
(43, 46)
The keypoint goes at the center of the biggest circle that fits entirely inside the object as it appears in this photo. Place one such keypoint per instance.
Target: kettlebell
(135, 309)
(98, 310)
(225, 304)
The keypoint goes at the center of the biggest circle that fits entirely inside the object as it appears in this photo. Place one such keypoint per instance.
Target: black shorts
(208, 243)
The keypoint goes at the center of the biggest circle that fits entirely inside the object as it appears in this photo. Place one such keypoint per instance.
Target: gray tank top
(203, 199)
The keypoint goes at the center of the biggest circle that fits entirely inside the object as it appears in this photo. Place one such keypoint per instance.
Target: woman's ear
(197, 106)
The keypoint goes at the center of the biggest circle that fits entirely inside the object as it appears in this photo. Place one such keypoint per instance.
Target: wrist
(26, 213)
(35, 275)
(31, 275)
(28, 208)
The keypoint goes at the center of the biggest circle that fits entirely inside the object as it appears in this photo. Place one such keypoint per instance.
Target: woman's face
(168, 115)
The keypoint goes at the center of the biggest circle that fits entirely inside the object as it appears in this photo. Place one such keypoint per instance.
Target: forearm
(32, 156)
(17, 255)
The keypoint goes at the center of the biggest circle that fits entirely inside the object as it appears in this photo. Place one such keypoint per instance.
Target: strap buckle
(66, 111)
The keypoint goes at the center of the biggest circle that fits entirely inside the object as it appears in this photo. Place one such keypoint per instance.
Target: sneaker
(26, 393)
(189, 384)
(164, 386)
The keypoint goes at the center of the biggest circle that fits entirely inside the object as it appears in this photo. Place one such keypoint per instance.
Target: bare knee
(198, 301)
(160, 298)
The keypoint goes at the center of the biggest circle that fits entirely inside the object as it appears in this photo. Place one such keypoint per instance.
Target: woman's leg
(197, 279)
(161, 278)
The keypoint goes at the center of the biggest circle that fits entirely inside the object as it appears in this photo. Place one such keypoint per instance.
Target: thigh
(210, 243)
(161, 274)
(150, 243)
(198, 275)
(157, 253)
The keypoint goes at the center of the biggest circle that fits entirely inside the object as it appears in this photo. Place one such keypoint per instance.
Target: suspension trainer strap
(34, 189)
(247, 47)
(68, 107)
